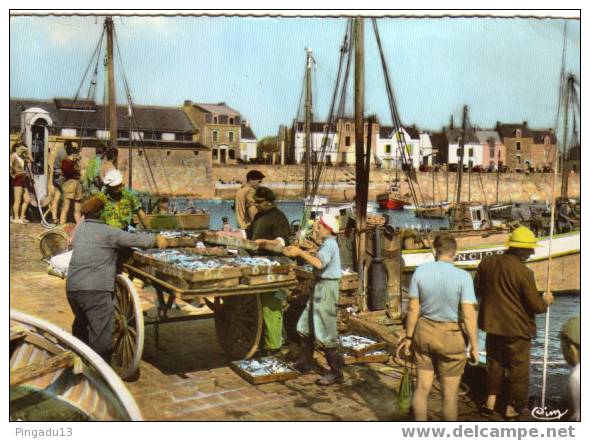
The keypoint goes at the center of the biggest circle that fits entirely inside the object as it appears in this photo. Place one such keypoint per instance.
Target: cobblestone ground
(189, 378)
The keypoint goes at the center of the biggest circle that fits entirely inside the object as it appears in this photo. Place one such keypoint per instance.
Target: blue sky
(504, 69)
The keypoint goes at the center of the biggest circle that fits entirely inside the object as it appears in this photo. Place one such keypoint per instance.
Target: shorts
(439, 347)
(72, 189)
(57, 182)
(19, 180)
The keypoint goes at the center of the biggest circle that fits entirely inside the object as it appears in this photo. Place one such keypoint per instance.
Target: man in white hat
(121, 203)
(319, 316)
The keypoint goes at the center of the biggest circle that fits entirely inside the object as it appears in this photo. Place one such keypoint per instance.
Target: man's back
(441, 287)
(243, 201)
(270, 225)
(508, 296)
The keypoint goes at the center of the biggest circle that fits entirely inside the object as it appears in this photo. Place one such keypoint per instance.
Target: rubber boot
(335, 362)
(304, 362)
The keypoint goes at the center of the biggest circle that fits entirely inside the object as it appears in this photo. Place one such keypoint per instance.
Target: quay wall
(182, 173)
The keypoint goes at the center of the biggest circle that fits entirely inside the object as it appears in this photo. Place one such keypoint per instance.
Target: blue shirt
(441, 287)
(329, 255)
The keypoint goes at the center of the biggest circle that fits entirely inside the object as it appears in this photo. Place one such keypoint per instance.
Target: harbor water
(563, 308)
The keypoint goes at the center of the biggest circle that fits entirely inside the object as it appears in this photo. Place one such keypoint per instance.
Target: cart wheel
(52, 244)
(238, 323)
(128, 331)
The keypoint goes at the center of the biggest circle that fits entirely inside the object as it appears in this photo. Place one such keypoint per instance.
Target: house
(472, 152)
(440, 147)
(493, 150)
(388, 148)
(219, 129)
(318, 131)
(518, 141)
(345, 130)
(248, 142)
(543, 149)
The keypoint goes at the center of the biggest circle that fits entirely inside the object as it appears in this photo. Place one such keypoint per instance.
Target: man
(57, 155)
(270, 225)
(91, 182)
(566, 216)
(321, 307)
(72, 188)
(20, 159)
(439, 294)
(244, 199)
(91, 275)
(570, 346)
(509, 300)
(121, 203)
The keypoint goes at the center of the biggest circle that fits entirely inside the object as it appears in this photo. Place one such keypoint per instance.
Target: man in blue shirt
(439, 293)
(321, 308)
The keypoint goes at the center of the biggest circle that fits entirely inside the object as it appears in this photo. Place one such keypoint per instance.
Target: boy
(321, 307)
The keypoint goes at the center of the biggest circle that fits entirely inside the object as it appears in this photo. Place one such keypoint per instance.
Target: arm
(412, 317)
(470, 320)
(123, 239)
(530, 294)
(142, 219)
(293, 251)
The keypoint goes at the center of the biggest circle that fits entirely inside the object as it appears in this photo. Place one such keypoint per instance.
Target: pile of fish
(264, 366)
(172, 234)
(355, 342)
(193, 261)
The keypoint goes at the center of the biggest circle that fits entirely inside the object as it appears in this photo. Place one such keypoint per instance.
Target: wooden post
(362, 184)
(564, 162)
(111, 83)
(308, 116)
(461, 153)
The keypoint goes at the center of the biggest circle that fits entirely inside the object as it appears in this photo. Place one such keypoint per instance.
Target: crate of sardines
(357, 345)
(264, 370)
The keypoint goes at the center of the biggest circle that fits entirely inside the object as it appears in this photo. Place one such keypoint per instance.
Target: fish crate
(357, 345)
(264, 370)
(228, 241)
(348, 282)
(182, 221)
(381, 356)
(267, 278)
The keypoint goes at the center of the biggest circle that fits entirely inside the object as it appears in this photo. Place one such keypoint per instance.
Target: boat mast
(362, 175)
(461, 153)
(308, 116)
(111, 83)
(564, 163)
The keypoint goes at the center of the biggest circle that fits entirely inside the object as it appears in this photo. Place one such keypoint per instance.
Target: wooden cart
(237, 311)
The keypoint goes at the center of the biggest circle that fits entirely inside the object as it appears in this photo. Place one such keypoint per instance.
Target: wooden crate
(229, 241)
(267, 278)
(185, 221)
(261, 379)
(374, 357)
(366, 349)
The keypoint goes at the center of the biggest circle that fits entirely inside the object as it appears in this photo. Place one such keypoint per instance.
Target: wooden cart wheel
(128, 330)
(54, 243)
(238, 323)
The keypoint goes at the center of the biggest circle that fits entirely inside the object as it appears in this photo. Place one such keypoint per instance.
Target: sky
(504, 69)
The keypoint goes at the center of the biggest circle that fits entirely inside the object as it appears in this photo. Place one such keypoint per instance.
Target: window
(231, 121)
(347, 127)
(136, 136)
(68, 132)
(215, 119)
(471, 152)
(214, 153)
(518, 133)
(168, 137)
(388, 148)
(215, 135)
(518, 146)
(103, 134)
(347, 141)
(230, 136)
(518, 159)
(492, 151)
(232, 153)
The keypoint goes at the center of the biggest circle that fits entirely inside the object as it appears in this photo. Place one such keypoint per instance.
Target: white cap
(113, 178)
(330, 222)
(572, 201)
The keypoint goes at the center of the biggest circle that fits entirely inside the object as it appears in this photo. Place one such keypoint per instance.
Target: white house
(387, 147)
(317, 131)
(248, 142)
(473, 153)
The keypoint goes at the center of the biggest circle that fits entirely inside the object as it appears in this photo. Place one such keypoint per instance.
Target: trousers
(508, 360)
(93, 319)
(320, 314)
(272, 314)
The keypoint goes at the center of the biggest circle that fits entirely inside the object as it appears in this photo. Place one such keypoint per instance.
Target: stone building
(518, 140)
(543, 149)
(346, 140)
(318, 131)
(493, 150)
(166, 155)
(219, 129)
(472, 150)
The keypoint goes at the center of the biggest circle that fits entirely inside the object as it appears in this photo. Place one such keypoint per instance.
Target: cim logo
(546, 414)
(476, 255)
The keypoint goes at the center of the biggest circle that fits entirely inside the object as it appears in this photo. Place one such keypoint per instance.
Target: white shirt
(573, 389)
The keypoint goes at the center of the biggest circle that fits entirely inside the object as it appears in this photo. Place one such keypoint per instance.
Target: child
(321, 307)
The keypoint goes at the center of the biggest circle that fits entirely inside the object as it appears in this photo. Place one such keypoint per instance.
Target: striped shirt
(94, 258)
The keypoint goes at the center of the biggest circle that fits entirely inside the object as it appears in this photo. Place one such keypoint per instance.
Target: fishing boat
(56, 377)
(392, 199)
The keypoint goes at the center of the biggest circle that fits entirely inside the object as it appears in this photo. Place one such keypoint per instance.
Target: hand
(260, 241)
(161, 241)
(404, 347)
(291, 251)
(548, 298)
(474, 355)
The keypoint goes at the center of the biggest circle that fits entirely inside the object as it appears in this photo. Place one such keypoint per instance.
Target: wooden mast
(362, 177)
(461, 153)
(308, 117)
(111, 83)
(564, 161)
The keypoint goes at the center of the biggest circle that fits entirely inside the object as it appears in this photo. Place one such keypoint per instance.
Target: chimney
(188, 103)
(525, 123)
(452, 126)
(497, 125)
(221, 103)
(245, 123)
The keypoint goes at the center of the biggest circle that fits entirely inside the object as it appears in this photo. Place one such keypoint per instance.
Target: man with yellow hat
(509, 299)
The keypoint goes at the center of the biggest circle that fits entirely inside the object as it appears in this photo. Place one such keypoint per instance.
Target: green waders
(272, 313)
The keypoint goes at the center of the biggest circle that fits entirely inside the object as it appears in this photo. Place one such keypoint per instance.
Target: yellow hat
(522, 237)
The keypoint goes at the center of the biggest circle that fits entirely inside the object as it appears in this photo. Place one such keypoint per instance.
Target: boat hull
(387, 202)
